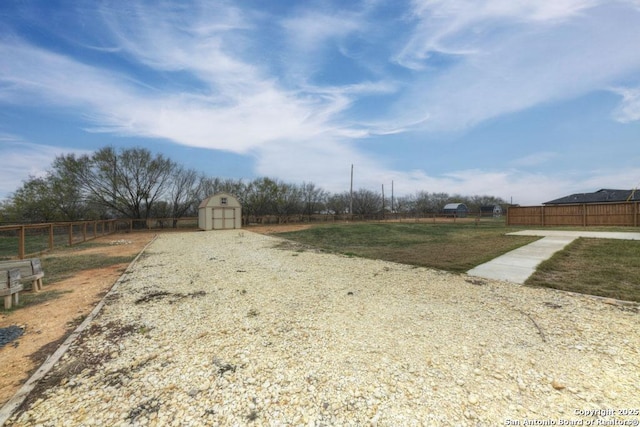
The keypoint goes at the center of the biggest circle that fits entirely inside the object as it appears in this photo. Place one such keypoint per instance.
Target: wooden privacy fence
(579, 215)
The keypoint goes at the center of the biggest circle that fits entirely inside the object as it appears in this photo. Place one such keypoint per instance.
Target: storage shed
(458, 210)
(491, 210)
(222, 211)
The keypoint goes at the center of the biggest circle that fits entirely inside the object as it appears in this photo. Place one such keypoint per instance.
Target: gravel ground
(225, 328)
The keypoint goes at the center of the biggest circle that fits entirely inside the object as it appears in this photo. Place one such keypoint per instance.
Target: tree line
(135, 183)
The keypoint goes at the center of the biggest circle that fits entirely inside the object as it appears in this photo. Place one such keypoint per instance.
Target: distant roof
(232, 198)
(455, 206)
(601, 196)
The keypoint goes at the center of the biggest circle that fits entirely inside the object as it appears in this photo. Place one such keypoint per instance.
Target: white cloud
(311, 30)
(629, 109)
(534, 159)
(462, 27)
(23, 159)
(329, 166)
(236, 121)
(246, 95)
(514, 65)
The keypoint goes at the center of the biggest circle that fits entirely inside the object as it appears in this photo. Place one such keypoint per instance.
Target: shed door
(224, 218)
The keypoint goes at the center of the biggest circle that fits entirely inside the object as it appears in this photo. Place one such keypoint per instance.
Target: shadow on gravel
(79, 358)
(174, 297)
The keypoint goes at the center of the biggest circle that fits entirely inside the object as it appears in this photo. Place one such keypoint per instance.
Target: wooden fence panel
(529, 215)
(576, 215)
(618, 214)
(570, 215)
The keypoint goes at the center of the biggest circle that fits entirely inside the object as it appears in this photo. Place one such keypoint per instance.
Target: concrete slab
(516, 266)
(623, 235)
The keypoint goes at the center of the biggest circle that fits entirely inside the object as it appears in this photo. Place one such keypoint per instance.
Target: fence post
(542, 221)
(21, 233)
(70, 234)
(584, 214)
(51, 236)
(84, 231)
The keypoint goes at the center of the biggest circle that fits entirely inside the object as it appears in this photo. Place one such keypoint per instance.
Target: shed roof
(490, 207)
(206, 202)
(454, 206)
(601, 196)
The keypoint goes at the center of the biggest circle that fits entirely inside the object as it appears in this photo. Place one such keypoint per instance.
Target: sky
(524, 100)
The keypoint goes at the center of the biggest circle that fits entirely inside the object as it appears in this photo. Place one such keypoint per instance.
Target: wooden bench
(10, 286)
(30, 271)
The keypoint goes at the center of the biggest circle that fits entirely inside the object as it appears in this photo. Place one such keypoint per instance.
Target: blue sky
(524, 100)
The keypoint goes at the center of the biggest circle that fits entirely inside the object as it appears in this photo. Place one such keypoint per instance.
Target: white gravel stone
(224, 328)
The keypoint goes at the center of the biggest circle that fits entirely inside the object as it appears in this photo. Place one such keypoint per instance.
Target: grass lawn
(609, 268)
(33, 244)
(451, 247)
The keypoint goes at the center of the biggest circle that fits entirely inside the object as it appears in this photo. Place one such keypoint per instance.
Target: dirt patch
(46, 325)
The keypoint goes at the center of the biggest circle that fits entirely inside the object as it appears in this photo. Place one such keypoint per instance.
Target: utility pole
(351, 194)
(383, 202)
(392, 205)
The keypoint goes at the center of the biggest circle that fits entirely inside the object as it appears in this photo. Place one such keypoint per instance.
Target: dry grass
(608, 268)
(452, 247)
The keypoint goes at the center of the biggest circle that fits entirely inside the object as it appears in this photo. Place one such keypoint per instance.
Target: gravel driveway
(229, 328)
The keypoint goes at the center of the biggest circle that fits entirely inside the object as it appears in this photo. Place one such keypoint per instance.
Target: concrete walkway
(516, 266)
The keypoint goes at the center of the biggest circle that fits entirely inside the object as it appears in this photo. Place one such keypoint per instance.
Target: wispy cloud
(463, 27)
(535, 159)
(23, 159)
(629, 109)
(499, 66)
(225, 77)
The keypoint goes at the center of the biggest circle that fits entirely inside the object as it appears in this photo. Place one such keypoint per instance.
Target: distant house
(491, 210)
(601, 196)
(459, 210)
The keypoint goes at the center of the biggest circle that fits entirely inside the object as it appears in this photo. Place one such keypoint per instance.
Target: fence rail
(29, 239)
(579, 215)
(24, 240)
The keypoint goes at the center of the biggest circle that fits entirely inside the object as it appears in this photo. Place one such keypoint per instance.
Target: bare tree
(366, 202)
(314, 198)
(288, 201)
(128, 182)
(338, 204)
(183, 193)
(260, 196)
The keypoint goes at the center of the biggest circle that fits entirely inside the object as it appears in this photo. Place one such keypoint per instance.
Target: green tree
(34, 201)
